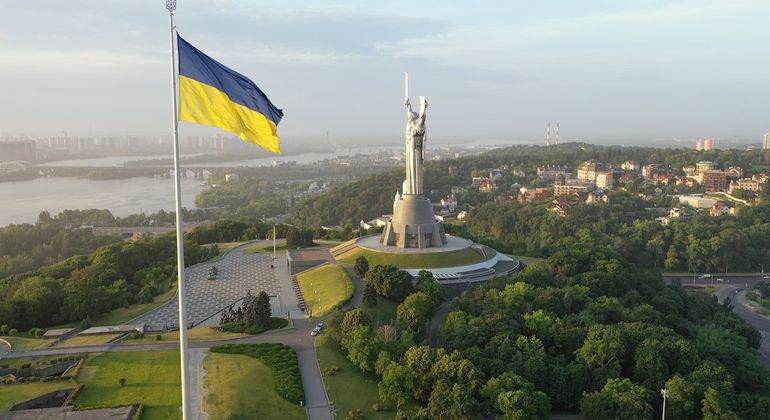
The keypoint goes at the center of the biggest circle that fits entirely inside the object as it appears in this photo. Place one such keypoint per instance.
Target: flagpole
(186, 410)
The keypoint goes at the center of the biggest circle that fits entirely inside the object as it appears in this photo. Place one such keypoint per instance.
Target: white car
(720, 279)
(315, 331)
(766, 277)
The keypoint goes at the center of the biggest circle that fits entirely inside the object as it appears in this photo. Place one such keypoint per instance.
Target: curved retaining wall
(491, 262)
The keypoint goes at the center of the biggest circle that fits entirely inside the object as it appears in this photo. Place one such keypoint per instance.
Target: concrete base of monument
(443, 261)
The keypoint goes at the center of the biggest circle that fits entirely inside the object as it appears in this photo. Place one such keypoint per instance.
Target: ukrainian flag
(212, 94)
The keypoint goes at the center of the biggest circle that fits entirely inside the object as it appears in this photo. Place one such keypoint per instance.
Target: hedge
(282, 361)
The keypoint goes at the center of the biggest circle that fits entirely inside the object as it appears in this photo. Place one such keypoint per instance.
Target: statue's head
(413, 115)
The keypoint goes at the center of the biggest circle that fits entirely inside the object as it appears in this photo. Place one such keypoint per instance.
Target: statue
(413, 224)
(415, 137)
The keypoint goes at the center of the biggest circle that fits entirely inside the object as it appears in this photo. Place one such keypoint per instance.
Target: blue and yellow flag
(212, 94)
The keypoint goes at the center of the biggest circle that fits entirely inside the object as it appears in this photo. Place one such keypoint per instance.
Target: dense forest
(84, 286)
(586, 330)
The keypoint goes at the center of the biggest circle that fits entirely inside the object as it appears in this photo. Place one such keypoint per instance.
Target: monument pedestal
(413, 224)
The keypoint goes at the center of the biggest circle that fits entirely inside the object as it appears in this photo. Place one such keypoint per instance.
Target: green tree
(361, 267)
(603, 347)
(619, 399)
(523, 405)
(369, 298)
(258, 310)
(451, 401)
(415, 311)
(398, 384)
(715, 407)
(353, 319)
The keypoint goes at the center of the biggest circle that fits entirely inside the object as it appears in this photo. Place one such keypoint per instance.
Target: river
(22, 201)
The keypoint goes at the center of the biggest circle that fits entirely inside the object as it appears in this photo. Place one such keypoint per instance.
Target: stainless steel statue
(415, 145)
(413, 224)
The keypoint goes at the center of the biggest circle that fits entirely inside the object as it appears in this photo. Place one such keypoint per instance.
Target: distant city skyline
(640, 72)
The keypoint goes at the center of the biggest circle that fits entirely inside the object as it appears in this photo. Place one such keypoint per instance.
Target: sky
(630, 72)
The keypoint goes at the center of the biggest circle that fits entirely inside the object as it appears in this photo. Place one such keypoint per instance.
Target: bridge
(11, 166)
(131, 232)
(199, 172)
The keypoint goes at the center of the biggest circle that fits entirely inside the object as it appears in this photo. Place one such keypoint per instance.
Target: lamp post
(664, 392)
(762, 267)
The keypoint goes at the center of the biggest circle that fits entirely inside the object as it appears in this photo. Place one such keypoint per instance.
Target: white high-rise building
(766, 141)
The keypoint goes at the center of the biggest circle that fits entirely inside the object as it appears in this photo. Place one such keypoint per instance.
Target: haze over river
(22, 201)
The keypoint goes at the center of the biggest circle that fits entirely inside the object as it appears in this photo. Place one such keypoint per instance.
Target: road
(734, 287)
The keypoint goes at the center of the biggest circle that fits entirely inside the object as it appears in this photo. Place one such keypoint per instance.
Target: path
(435, 323)
(198, 392)
(358, 287)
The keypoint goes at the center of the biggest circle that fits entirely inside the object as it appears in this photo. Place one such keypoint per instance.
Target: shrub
(282, 360)
(158, 337)
(355, 415)
(331, 371)
(240, 326)
(4, 329)
(136, 335)
(122, 381)
(13, 332)
(379, 407)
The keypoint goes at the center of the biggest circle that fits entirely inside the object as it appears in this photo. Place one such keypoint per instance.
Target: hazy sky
(622, 71)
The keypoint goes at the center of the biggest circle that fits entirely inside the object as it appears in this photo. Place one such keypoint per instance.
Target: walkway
(238, 273)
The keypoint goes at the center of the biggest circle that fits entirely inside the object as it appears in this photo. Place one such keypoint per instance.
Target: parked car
(720, 279)
(315, 331)
(766, 277)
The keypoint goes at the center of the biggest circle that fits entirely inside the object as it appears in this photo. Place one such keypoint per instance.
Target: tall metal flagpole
(186, 412)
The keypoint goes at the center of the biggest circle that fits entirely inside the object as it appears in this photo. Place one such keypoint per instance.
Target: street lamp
(762, 267)
(664, 392)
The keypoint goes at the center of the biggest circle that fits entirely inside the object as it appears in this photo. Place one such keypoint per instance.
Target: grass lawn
(527, 260)
(36, 361)
(152, 378)
(226, 246)
(324, 288)
(195, 334)
(242, 387)
(265, 249)
(705, 292)
(122, 315)
(88, 340)
(268, 249)
(16, 393)
(20, 343)
(348, 389)
(444, 259)
(383, 313)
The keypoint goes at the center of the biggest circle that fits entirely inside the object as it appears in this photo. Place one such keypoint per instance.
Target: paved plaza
(238, 272)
